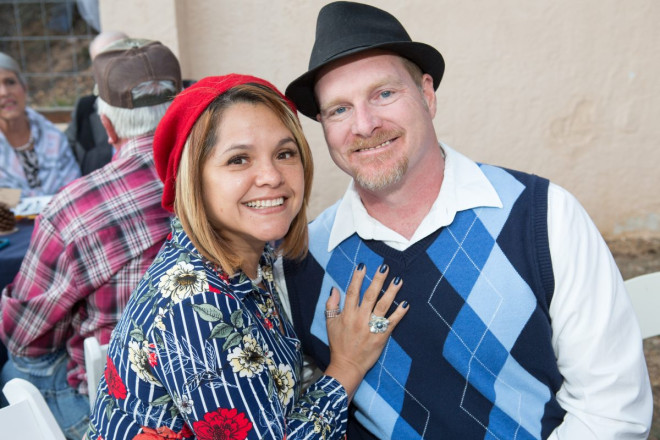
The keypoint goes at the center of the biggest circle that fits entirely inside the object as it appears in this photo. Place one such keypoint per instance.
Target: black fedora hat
(345, 28)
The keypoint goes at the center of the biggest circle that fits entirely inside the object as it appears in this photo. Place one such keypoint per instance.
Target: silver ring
(378, 324)
(332, 313)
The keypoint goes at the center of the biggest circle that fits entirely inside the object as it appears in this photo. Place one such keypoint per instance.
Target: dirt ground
(636, 257)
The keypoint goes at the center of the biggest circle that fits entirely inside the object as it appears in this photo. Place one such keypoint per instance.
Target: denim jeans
(48, 374)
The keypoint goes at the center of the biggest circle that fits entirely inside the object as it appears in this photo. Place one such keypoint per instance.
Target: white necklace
(260, 276)
(27, 145)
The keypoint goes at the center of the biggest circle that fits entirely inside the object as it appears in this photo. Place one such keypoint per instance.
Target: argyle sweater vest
(473, 357)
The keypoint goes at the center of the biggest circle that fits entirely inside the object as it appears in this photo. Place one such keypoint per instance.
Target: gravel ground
(637, 257)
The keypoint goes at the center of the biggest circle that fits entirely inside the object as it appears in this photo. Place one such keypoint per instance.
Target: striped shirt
(89, 249)
(199, 353)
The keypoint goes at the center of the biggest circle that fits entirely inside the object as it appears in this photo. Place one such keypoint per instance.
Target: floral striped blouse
(199, 354)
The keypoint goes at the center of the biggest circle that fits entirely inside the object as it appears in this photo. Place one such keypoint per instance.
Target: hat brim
(429, 60)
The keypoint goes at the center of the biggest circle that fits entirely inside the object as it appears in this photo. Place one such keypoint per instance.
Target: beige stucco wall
(565, 89)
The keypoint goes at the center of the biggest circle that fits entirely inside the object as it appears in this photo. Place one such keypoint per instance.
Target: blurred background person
(85, 132)
(94, 241)
(34, 155)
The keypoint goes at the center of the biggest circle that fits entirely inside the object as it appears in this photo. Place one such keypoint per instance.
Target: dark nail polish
(404, 304)
(396, 281)
(331, 291)
(360, 266)
(383, 268)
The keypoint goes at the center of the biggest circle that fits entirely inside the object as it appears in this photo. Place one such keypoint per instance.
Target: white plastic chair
(644, 292)
(28, 415)
(95, 355)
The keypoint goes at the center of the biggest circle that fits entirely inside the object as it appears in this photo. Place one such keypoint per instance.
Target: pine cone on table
(7, 218)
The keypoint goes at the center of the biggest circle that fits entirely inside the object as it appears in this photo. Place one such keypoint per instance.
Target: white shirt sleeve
(596, 338)
(280, 286)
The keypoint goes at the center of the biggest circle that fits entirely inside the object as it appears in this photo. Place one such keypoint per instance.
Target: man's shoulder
(140, 146)
(99, 193)
(68, 205)
(494, 174)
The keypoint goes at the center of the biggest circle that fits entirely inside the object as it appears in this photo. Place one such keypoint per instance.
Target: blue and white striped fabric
(199, 353)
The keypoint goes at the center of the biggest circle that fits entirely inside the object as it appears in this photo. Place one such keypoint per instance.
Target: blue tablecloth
(12, 255)
(11, 258)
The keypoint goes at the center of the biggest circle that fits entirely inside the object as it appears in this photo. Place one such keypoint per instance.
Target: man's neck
(403, 207)
(119, 144)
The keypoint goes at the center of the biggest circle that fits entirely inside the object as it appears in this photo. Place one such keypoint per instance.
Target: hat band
(151, 100)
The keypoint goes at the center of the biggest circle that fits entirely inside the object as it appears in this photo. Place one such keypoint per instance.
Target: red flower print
(222, 424)
(186, 431)
(225, 278)
(269, 325)
(116, 387)
(153, 361)
(157, 434)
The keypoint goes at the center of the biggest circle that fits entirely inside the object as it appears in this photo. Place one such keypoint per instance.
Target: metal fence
(49, 39)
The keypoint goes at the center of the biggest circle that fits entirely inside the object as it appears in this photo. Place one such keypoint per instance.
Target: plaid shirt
(89, 249)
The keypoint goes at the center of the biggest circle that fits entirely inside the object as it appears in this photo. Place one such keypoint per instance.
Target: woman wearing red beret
(203, 350)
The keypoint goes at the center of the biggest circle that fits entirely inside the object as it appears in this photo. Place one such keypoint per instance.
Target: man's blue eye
(340, 110)
(385, 94)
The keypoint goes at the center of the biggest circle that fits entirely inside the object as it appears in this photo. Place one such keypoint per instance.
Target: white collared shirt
(606, 390)
(464, 187)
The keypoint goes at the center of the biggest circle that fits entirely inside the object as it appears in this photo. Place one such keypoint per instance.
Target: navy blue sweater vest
(473, 357)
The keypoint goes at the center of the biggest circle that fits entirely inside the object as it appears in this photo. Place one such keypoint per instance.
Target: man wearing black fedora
(519, 324)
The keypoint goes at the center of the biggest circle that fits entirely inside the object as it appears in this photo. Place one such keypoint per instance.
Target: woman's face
(12, 96)
(253, 180)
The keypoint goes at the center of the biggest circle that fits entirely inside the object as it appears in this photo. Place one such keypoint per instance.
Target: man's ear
(110, 130)
(428, 93)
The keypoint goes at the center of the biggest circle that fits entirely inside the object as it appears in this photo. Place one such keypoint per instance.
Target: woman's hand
(354, 349)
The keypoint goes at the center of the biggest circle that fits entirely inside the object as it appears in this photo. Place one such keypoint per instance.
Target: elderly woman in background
(34, 155)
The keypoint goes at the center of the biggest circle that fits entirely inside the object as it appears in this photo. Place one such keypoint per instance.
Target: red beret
(173, 130)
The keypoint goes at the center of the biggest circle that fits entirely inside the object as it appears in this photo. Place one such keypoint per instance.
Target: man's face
(376, 119)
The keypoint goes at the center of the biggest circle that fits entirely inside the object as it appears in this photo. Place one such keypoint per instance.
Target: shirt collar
(464, 186)
(137, 145)
(239, 284)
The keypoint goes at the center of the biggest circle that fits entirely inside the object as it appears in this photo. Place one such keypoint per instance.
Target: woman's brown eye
(238, 160)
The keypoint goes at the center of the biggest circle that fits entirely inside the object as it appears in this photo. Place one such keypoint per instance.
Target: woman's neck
(249, 257)
(17, 131)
